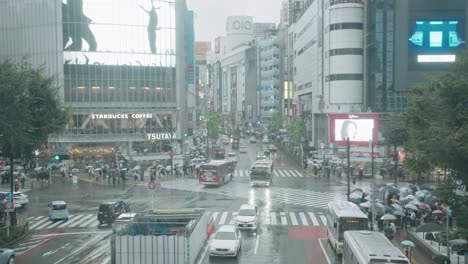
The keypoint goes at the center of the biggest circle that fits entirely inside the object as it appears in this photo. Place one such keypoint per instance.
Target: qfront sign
(121, 116)
(161, 136)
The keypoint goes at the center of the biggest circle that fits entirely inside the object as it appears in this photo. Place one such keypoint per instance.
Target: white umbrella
(97, 169)
(398, 212)
(136, 167)
(75, 170)
(365, 205)
(38, 169)
(409, 197)
(19, 168)
(397, 207)
(412, 207)
(415, 202)
(405, 191)
(388, 217)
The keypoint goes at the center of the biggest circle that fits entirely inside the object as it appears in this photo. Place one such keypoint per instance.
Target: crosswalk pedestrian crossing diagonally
(74, 221)
(275, 218)
(276, 173)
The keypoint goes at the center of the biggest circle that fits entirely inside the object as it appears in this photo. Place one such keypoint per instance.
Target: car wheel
(11, 260)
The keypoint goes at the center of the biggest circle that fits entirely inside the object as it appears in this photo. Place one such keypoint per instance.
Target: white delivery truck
(170, 236)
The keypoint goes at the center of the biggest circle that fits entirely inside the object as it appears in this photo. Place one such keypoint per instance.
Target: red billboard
(360, 128)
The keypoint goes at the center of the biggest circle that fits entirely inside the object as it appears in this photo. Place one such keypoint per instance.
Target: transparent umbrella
(388, 217)
(407, 243)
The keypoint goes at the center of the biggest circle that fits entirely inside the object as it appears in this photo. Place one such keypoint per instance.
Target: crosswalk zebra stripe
(223, 218)
(54, 224)
(314, 219)
(303, 219)
(275, 173)
(81, 220)
(241, 173)
(88, 222)
(296, 173)
(284, 221)
(292, 173)
(323, 218)
(292, 215)
(281, 173)
(273, 220)
(95, 223)
(73, 220)
(215, 215)
(233, 219)
(33, 226)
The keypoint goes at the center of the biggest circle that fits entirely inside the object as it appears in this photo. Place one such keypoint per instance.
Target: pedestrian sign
(8, 196)
(9, 207)
(152, 185)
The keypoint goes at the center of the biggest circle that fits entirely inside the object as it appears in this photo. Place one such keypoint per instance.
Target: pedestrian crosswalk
(74, 221)
(276, 173)
(275, 218)
(272, 194)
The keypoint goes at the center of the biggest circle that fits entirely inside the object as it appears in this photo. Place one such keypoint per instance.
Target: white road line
(30, 218)
(303, 219)
(56, 224)
(273, 220)
(233, 220)
(79, 249)
(27, 243)
(292, 215)
(281, 173)
(297, 173)
(275, 173)
(223, 218)
(256, 244)
(241, 173)
(284, 221)
(292, 173)
(215, 215)
(88, 221)
(69, 222)
(81, 220)
(202, 258)
(324, 252)
(314, 219)
(38, 223)
(324, 219)
(96, 223)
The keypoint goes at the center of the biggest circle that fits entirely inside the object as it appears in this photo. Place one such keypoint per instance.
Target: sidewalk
(418, 256)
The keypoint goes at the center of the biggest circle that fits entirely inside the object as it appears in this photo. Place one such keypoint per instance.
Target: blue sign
(8, 196)
(2, 196)
(2, 207)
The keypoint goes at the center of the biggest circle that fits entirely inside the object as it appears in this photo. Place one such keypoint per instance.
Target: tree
(277, 121)
(295, 131)
(30, 110)
(213, 123)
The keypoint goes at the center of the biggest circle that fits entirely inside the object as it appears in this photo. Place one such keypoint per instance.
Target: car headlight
(232, 249)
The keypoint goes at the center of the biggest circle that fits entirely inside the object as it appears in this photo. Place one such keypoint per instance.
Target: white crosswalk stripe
(74, 221)
(276, 173)
(276, 218)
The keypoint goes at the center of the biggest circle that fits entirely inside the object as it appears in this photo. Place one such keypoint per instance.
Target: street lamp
(348, 170)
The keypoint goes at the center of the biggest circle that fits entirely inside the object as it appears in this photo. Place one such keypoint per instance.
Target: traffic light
(61, 157)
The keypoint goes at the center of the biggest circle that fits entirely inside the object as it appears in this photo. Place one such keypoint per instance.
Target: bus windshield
(259, 175)
(348, 224)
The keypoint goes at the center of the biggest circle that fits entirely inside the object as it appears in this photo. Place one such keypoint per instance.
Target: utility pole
(372, 153)
(395, 156)
(348, 171)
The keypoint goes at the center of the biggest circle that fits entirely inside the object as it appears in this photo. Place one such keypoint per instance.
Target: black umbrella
(378, 185)
(430, 227)
(428, 187)
(441, 259)
(413, 188)
(393, 191)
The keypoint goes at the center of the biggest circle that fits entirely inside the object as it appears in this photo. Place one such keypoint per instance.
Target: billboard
(360, 128)
(190, 47)
(117, 32)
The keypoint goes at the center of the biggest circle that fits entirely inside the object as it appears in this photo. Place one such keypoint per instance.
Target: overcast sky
(210, 15)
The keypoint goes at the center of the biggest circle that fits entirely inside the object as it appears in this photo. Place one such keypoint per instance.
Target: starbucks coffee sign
(161, 136)
(121, 116)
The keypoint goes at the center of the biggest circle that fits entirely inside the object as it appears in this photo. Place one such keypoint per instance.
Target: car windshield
(225, 236)
(59, 207)
(232, 155)
(105, 207)
(246, 212)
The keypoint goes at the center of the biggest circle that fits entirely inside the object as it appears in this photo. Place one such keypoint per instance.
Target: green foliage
(446, 194)
(295, 131)
(213, 123)
(15, 233)
(277, 121)
(31, 109)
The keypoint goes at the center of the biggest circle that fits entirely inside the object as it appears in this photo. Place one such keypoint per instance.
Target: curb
(423, 246)
(28, 233)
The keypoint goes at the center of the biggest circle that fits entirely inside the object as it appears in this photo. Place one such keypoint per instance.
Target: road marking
(273, 218)
(39, 223)
(232, 221)
(223, 218)
(86, 218)
(314, 219)
(73, 218)
(323, 218)
(256, 244)
(303, 219)
(241, 173)
(293, 218)
(79, 249)
(48, 253)
(96, 223)
(215, 215)
(292, 173)
(296, 173)
(88, 222)
(56, 223)
(203, 254)
(284, 221)
(281, 173)
(72, 233)
(324, 252)
(275, 173)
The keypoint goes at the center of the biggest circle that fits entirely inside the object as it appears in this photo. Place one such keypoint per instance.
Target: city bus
(367, 247)
(261, 173)
(343, 216)
(216, 172)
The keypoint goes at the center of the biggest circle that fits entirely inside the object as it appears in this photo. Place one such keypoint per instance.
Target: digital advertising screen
(359, 128)
(435, 42)
(117, 32)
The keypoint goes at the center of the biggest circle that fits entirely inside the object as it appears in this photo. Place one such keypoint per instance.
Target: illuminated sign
(359, 128)
(437, 34)
(436, 58)
(120, 116)
(161, 136)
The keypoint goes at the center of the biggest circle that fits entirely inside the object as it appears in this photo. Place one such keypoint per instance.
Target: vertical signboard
(190, 46)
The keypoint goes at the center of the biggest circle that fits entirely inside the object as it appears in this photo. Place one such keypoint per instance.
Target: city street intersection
(292, 214)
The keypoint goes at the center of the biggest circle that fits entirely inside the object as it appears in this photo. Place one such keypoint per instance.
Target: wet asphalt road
(292, 215)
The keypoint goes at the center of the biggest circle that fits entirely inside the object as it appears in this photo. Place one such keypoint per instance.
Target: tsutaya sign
(161, 136)
(120, 116)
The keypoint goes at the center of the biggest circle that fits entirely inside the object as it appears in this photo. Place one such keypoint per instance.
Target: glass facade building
(116, 61)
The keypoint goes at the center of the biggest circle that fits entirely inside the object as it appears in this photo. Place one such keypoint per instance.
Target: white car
(243, 149)
(232, 156)
(123, 220)
(20, 199)
(253, 140)
(265, 140)
(246, 217)
(226, 242)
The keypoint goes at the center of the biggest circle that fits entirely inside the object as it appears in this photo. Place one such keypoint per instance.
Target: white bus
(343, 216)
(261, 173)
(366, 247)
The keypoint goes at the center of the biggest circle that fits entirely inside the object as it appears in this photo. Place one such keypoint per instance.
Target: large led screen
(359, 128)
(119, 32)
(435, 41)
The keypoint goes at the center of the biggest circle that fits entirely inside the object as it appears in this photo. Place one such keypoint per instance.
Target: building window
(344, 77)
(350, 25)
(335, 52)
